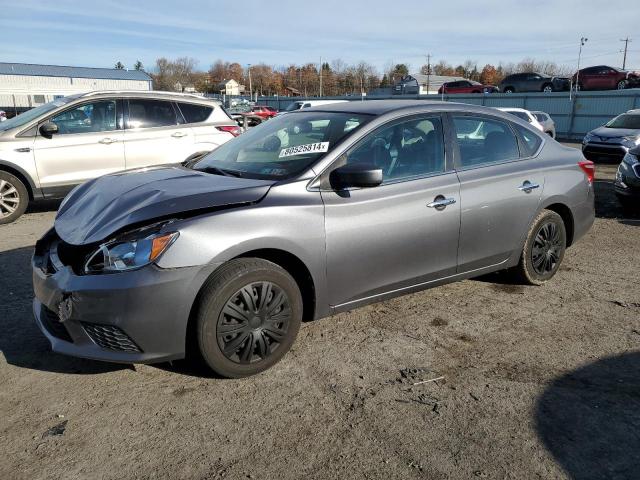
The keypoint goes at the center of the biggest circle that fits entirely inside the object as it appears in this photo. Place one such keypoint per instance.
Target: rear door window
(482, 141)
(151, 113)
(193, 113)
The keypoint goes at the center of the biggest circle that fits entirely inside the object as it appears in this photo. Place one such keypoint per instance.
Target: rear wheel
(544, 249)
(14, 198)
(248, 317)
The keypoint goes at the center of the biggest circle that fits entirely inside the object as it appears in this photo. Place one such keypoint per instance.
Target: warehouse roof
(74, 72)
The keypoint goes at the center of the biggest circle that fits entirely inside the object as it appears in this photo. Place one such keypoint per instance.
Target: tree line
(329, 78)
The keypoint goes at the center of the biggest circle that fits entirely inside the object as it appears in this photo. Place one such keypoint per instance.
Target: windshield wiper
(221, 171)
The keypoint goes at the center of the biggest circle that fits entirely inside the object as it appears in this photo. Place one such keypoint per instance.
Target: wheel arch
(567, 218)
(21, 175)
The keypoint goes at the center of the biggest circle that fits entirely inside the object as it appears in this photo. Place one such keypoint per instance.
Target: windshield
(626, 120)
(283, 146)
(293, 106)
(34, 113)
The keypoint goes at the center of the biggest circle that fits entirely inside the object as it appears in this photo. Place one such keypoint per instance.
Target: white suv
(48, 150)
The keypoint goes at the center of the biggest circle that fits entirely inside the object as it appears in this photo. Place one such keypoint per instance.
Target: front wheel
(547, 88)
(544, 249)
(509, 90)
(14, 198)
(248, 317)
(622, 84)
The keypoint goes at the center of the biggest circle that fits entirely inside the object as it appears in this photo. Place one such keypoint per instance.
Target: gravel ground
(538, 382)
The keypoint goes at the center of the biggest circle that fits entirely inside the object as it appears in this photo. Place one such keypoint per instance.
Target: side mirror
(363, 175)
(48, 129)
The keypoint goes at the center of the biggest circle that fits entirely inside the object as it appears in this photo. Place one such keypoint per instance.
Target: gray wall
(574, 117)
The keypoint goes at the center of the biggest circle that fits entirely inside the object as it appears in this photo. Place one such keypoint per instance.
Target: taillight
(235, 131)
(589, 168)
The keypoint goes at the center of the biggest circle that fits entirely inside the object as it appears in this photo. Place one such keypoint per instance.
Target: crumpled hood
(98, 208)
(607, 132)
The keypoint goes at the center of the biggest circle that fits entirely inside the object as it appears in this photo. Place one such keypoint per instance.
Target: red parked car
(466, 86)
(263, 111)
(604, 77)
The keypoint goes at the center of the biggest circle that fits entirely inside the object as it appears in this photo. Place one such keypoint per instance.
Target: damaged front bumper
(138, 316)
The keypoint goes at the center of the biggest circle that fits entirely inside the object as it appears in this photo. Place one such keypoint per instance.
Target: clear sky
(278, 32)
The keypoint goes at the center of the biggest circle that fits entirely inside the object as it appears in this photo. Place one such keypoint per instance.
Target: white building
(23, 85)
(230, 87)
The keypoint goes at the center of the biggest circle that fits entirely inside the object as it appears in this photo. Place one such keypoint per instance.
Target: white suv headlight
(129, 253)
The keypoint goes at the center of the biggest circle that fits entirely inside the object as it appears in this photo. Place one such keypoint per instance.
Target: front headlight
(129, 252)
(630, 159)
(587, 138)
(631, 141)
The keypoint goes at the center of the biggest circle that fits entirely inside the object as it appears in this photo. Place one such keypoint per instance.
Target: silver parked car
(48, 150)
(309, 214)
(548, 125)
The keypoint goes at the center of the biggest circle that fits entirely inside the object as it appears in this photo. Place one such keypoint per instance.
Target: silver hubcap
(9, 198)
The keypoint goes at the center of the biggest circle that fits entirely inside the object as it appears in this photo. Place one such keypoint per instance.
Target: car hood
(607, 132)
(99, 208)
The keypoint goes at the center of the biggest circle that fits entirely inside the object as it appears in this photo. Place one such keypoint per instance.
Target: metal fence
(574, 115)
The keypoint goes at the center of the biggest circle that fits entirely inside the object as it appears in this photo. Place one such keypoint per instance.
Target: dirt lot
(539, 382)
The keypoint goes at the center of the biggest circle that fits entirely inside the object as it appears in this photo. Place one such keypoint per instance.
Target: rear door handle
(178, 134)
(527, 186)
(440, 202)
(107, 141)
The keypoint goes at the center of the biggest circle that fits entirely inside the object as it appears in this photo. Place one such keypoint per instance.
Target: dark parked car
(604, 77)
(312, 213)
(613, 140)
(466, 86)
(627, 184)
(533, 82)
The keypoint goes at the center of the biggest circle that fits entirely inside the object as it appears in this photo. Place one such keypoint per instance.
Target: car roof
(635, 111)
(513, 109)
(379, 107)
(175, 96)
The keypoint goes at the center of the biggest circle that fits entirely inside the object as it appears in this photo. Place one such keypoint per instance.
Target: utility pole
(250, 89)
(428, 72)
(320, 76)
(583, 40)
(626, 44)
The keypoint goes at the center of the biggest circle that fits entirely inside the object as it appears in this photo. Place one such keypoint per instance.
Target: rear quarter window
(530, 142)
(193, 113)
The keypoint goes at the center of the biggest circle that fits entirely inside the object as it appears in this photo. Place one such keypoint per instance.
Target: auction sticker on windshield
(317, 147)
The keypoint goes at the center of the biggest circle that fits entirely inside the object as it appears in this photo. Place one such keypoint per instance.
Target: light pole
(250, 88)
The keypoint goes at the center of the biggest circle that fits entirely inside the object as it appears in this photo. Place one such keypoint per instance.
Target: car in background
(525, 115)
(466, 86)
(263, 111)
(313, 213)
(46, 151)
(603, 77)
(627, 183)
(298, 104)
(548, 125)
(532, 82)
(614, 139)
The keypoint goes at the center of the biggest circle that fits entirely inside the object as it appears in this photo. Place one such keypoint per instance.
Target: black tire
(549, 251)
(621, 85)
(509, 90)
(224, 332)
(14, 198)
(547, 88)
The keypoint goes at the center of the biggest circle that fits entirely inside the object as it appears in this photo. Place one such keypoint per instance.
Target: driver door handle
(527, 186)
(441, 202)
(107, 141)
(178, 134)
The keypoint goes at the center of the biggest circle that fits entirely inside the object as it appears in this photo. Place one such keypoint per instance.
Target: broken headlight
(135, 250)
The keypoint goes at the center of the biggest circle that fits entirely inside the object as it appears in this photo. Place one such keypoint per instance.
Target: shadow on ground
(21, 342)
(608, 206)
(589, 419)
